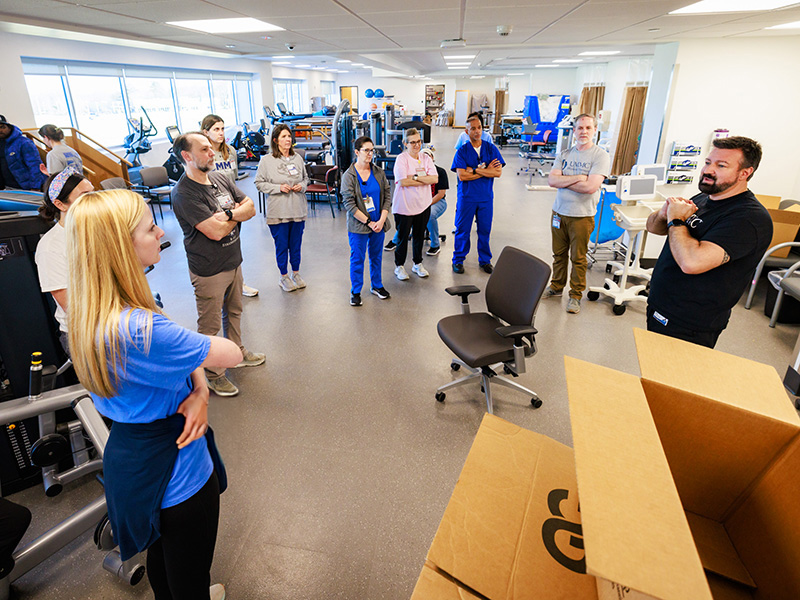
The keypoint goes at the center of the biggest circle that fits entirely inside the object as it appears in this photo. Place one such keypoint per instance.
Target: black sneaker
(458, 267)
(442, 238)
(355, 299)
(433, 251)
(381, 293)
(487, 268)
(390, 246)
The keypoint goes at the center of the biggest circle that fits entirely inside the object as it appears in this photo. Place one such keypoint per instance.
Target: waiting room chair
(503, 336)
(118, 183)
(787, 285)
(156, 183)
(322, 181)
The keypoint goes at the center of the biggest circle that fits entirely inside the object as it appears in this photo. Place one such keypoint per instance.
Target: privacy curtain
(630, 130)
(591, 101)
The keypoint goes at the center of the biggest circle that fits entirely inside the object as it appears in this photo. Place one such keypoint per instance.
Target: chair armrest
(516, 331)
(462, 290)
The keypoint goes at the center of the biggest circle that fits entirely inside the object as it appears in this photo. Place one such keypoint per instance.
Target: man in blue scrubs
(476, 164)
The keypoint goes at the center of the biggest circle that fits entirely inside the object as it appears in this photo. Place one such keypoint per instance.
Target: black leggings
(179, 562)
(419, 225)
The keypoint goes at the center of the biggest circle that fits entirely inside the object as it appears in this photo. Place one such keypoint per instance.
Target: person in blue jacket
(477, 164)
(162, 472)
(21, 166)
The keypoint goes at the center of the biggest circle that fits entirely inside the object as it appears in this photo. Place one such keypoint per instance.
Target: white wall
(749, 86)
(542, 81)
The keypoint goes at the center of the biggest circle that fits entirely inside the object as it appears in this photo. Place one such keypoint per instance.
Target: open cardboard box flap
(511, 530)
(785, 224)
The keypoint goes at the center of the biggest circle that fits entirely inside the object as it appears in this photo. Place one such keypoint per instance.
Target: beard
(204, 168)
(713, 188)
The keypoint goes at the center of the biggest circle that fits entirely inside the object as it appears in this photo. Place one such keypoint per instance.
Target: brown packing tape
(634, 527)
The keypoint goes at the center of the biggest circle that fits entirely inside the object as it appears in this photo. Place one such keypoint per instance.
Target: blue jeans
(359, 242)
(437, 210)
(466, 213)
(288, 239)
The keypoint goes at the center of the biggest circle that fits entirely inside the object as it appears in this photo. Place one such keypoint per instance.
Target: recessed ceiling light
(342, 61)
(456, 68)
(722, 6)
(795, 25)
(301, 66)
(358, 64)
(230, 45)
(341, 71)
(568, 60)
(281, 63)
(237, 25)
(450, 56)
(284, 56)
(547, 66)
(458, 64)
(600, 53)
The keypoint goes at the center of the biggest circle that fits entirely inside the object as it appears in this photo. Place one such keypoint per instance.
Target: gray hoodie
(272, 172)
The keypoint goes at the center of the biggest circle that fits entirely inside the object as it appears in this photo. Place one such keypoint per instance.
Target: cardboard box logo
(554, 525)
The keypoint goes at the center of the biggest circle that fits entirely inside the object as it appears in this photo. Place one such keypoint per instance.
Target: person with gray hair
(414, 173)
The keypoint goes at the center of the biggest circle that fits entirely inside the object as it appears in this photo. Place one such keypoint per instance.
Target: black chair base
(487, 376)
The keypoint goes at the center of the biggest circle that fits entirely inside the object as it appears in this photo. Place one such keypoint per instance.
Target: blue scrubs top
(482, 189)
(371, 188)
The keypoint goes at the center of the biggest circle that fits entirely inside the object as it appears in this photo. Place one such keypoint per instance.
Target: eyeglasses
(416, 143)
(368, 150)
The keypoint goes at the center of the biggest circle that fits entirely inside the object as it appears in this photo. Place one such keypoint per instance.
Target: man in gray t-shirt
(577, 175)
(210, 210)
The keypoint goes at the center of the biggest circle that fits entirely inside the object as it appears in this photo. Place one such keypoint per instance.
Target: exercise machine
(137, 143)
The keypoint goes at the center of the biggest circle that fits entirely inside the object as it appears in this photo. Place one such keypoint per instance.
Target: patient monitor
(660, 171)
(632, 188)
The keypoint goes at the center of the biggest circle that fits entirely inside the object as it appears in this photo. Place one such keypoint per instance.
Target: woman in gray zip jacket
(367, 197)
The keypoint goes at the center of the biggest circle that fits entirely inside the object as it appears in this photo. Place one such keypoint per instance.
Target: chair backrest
(317, 172)
(113, 183)
(332, 177)
(154, 177)
(784, 204)
(516, 285)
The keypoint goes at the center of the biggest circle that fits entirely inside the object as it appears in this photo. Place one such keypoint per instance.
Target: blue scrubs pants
(466, 213)
(359, 243)
(288, 239)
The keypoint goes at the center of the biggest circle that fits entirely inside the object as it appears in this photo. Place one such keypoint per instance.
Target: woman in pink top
(411, 204)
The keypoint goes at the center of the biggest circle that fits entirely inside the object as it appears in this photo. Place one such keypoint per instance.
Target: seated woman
(367, 197)
(60, 156)
(162, 473)
(60, 192)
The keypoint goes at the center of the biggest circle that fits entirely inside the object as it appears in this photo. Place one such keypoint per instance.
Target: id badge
(421, 172)
(482, 166)
(556, 221)
(369, 204)
(225, 200)
(292, 168)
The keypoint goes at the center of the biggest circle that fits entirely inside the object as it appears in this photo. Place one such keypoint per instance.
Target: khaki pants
(219, 303)
(571, 242)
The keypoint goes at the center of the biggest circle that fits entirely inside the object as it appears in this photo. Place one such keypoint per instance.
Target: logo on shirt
(694, 221)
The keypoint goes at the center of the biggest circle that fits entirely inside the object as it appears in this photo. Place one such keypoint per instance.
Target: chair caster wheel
(440, 396)
(535, 402)
(797, 403)
(606, 286)
(507, 371)
(618, 309)
(593, 296)
(454, 366)
(616, 278)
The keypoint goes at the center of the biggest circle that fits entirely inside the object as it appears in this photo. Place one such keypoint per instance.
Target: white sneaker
(248, 291)
(420, 270)
(217, 592)
(298, 281)
(400, 273)
(286, 283)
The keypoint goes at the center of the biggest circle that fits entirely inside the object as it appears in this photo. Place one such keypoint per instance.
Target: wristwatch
(676, 222)
(415, 177)
(368, 222)
(229, 213)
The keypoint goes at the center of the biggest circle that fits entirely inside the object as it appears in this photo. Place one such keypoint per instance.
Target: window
(328, 89)
(223, 101)
(99, 108)
(48, 100)
(155, 96)
(292, 93)
(244, 103)
(194, 102)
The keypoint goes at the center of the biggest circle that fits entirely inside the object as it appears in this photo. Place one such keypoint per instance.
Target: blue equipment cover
(605, 227)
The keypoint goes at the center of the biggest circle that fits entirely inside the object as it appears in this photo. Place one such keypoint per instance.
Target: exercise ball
(379, 93)
(369, 93)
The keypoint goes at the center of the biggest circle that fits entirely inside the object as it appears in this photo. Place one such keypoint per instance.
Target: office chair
(505, 335)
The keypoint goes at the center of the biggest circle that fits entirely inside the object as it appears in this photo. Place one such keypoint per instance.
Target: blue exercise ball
(369, 93)
(379, 93)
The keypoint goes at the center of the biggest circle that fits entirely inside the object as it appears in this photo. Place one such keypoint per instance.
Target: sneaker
(420, 270)
(298, 281)
(487, 268)
(574, 306)
(381, 293)
(217, 592)
(390, 246)
(400, 273)
(251, 359)
(222, 386)
(355, 299)
(549, 292)
(286, 283)
(433, 251)
(248, 291)
(442, 238)
(458, 267)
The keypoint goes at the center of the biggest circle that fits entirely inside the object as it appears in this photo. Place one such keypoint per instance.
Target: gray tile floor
(340, 461)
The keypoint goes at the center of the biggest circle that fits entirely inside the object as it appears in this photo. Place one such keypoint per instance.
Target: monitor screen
(660, 171)
(636, 187)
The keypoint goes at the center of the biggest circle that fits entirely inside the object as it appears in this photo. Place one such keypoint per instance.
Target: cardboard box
(689, 477)
(785, 225)
(511, 530)
(769, 201)
(689, 481)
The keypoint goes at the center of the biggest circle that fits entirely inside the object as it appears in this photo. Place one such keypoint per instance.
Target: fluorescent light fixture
(568, 60)
(456, 68)
(301, 66)
(237, 25)
(342, 61)
(282, 63)
(600, 53)
(342, 71)
(478, 77)
(795, 25)
(515, 74)
(547, 66)
(357, 64)
(284, 56)
(458, 64)
(723, 6)
(457, 56)
(230, 45)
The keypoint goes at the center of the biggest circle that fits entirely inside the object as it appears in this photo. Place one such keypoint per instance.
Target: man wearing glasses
(476, 164)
